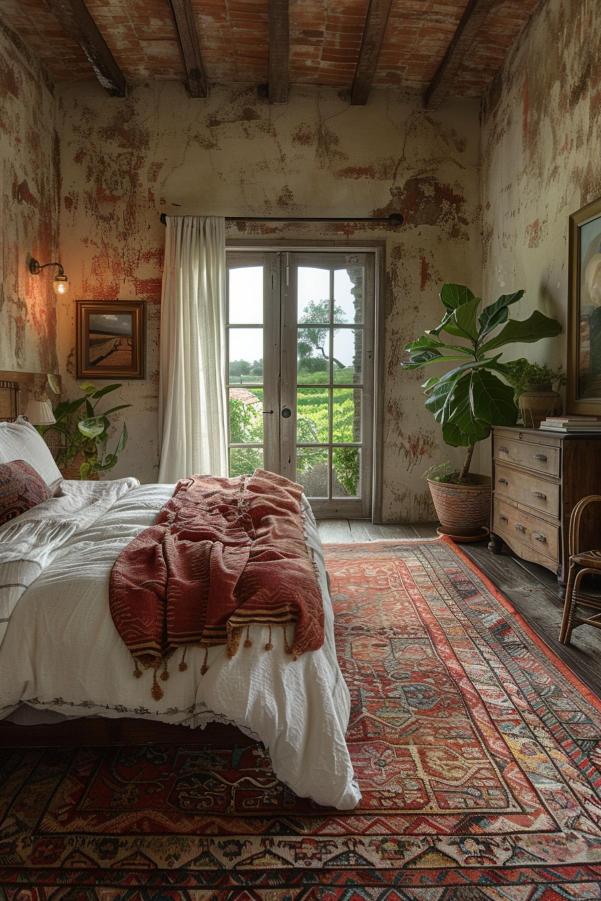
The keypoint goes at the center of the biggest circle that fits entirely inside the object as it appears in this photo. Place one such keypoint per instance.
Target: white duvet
(60, 651)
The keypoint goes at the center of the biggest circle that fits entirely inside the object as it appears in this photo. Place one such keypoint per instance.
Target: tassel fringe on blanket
(222, 556)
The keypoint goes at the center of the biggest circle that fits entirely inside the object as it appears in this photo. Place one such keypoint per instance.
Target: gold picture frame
(584, 311)
(111, 339)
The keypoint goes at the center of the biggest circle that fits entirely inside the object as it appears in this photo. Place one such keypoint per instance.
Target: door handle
(286, 412)
(267, 412)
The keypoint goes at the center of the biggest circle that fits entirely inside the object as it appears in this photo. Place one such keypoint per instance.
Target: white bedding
(61, 651)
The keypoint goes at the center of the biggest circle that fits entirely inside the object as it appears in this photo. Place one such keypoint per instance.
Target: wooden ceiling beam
(279, 51)
(470, 25)
(371, 44)
(187, 32)
(77, 22)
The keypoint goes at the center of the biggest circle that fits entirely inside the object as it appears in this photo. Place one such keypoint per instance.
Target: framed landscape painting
(584, 312)
(110, 339)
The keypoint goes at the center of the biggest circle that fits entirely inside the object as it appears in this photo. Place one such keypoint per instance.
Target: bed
(61, 656)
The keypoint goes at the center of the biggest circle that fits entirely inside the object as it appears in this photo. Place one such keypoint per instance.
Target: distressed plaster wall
(124, 160)
(541, 158)
(29, 199)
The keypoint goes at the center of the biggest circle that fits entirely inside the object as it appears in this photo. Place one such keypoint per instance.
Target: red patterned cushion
(21, 488)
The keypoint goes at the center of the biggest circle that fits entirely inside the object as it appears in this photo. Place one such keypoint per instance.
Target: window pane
(245, 407)
(312, 471)
(312, 415)
(348, 345)
(245, 355)
(346, 414)
(346, 472)
(313, 294)
(244, 460)
(246, 294)
(348, 294)
(313, 355)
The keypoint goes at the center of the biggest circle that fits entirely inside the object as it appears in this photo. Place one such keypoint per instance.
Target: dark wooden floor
(533, 590)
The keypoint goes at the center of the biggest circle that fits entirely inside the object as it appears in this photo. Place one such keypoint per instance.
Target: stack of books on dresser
(571, 423)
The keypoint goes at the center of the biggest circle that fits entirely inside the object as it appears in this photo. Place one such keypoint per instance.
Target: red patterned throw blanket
(223, 554)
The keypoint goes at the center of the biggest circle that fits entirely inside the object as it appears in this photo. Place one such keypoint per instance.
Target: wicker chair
(582, 563)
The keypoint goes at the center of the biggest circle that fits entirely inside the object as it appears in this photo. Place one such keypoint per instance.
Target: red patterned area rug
(477, 752)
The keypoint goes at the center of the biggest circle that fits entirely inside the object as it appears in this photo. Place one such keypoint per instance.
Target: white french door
(300, 364)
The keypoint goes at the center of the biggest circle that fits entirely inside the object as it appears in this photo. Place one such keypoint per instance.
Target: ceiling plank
(471, 23)
(279, 51)
(77, 22)
(187, 32)
(371, 43)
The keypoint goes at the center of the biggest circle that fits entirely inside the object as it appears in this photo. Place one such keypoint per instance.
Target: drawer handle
(503, 482)
(520, 527)
(540, 495)
(542, 458)
(540, 537)
(503, 518)
(503, 450)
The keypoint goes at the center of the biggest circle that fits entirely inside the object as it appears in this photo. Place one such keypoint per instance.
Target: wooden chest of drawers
(538, 477)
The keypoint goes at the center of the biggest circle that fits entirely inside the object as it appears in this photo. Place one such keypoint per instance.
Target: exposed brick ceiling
(325, 40)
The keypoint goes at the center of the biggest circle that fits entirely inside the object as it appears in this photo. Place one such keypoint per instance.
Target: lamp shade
(39, 412)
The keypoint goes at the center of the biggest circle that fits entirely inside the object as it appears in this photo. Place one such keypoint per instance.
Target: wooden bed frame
(15, 384)
(97, 731)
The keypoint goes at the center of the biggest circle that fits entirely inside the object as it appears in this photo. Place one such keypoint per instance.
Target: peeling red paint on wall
(29, 180)
(541, 157)
(424, 200)
(424, 273)
(417, 448)
(525, 111)
(22, 194)
(534, 233)
(382, 171)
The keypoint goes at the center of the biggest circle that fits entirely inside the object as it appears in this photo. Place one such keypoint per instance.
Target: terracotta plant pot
(463, 510)
(71, 470)
(536, 404)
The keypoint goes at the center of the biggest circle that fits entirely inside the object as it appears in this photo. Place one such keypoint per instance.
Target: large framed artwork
(110, 339)
(584, 313)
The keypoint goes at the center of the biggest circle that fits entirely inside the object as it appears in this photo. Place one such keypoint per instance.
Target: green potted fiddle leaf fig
(84, 432)
(472, 395)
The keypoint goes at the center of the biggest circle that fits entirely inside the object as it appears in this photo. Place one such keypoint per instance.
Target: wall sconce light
(60, 284)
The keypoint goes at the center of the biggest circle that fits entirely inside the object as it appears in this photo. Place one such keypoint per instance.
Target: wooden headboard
(15, 388)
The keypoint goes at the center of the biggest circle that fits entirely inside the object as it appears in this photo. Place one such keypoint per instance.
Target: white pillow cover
(21, 441)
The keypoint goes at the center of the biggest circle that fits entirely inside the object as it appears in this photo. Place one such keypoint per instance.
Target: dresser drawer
(527, 529)
(527, 489)
(533, 456)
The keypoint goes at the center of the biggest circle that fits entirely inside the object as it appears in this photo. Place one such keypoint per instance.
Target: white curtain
(192, 403)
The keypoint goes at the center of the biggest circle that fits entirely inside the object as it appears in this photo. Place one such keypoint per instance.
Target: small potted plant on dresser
(471, 396)
(83, 432)
(535, 386)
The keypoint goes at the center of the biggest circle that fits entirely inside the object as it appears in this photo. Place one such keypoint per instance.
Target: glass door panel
(300, 372)
(329, 316)
(251, 387)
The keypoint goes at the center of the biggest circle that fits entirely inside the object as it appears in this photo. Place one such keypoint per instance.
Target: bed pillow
(21, 441)
(21, 488)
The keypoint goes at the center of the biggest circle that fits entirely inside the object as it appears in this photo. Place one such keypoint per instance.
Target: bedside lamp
(39, 412)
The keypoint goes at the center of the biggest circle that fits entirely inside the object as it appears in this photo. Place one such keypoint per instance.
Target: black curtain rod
(395, 219)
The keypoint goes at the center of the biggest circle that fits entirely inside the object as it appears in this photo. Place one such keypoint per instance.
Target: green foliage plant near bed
(84, 429)
(474, 392)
